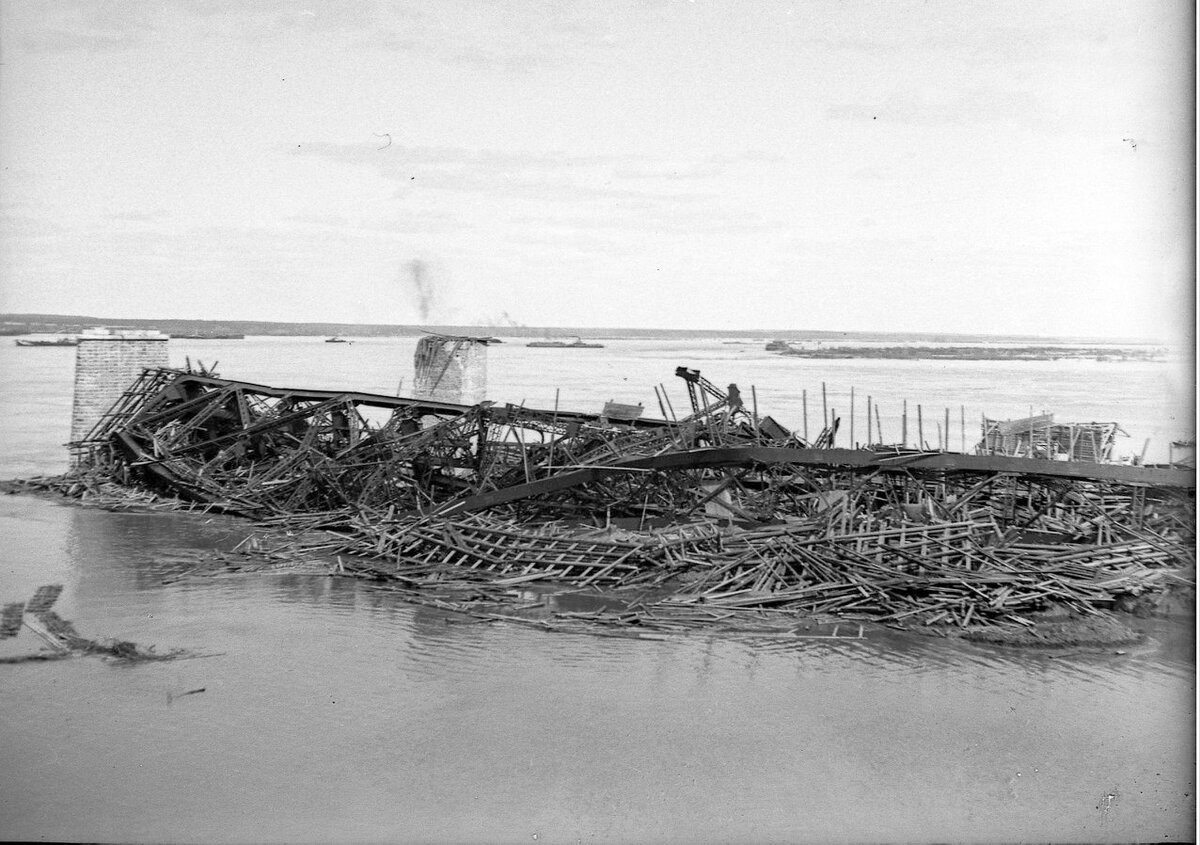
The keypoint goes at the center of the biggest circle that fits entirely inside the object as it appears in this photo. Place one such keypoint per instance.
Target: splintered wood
(721, 511)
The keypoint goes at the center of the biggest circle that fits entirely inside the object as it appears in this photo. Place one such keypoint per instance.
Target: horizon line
(494, 329)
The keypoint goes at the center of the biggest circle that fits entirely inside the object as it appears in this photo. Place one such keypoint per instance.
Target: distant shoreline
(23, 323)
(1105, 352)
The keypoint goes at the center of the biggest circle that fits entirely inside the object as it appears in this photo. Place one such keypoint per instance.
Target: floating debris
(10, 619)
(62, 638)
(43, 599)
(171, 696)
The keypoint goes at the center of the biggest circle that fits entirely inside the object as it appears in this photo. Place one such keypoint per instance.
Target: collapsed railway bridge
(720, 509)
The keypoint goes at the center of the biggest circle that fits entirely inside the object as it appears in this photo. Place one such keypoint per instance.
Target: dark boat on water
(48, 341)
(578, 343)
(336, 340)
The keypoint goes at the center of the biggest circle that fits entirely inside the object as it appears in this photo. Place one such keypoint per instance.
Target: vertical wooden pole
(804, 403)
(946, 443)
(832, 432)
(853, 445)
(554, 428)
(670, 407)
(904, 425)
(920, 429)
(824, 407)
(878, 425)
(962, 426)
(869, 421)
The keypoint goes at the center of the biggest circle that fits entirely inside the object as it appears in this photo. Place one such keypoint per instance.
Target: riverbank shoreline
(980, 352)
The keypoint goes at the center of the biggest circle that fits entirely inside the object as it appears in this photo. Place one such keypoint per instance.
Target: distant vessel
(336, 340)
(48, 341)
(562, 344)
(208, 336)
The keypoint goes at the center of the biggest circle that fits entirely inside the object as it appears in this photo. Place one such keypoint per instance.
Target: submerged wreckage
(712, 515)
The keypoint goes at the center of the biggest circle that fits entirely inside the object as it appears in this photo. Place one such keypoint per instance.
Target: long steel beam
(748, 456)
(379, 400)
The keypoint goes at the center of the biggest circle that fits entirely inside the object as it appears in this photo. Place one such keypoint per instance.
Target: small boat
(336, 339)
(48, 341)
(562, 344)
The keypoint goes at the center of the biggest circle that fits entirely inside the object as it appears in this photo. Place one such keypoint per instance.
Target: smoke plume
(417, 278)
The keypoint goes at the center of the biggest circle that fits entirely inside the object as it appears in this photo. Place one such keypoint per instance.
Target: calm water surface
(335, 711)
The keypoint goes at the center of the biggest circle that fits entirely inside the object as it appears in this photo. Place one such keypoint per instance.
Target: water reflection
(137, 550)
(408, 709)
(121, 566)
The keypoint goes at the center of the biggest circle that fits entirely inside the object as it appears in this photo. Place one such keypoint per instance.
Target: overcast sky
(994, 167)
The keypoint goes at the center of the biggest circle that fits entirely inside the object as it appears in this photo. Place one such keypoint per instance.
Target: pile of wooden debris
(718, 511)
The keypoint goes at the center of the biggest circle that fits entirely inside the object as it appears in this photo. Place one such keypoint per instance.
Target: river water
(335, 711)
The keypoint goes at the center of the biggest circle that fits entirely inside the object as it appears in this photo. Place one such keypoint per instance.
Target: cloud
(926, 107)
(990, 33)
(657, 221)
(94, 27)
(155, 216)
(383, 225)
(538, 176)
(531, 37)
(82, 25)
(62, 41)
(15, 224)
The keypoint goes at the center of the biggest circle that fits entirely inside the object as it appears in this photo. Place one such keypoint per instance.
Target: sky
(990, 167)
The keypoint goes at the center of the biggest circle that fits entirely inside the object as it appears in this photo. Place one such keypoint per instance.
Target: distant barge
(49, 341)
(208, 336)
(578, 343)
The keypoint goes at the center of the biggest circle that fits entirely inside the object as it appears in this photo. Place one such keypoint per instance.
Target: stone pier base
(451, 369)
(107, 361)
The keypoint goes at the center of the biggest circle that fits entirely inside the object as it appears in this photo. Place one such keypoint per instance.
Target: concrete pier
(451, 369)
(107, 361)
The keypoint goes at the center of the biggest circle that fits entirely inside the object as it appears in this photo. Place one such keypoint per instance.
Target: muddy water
(332, 710)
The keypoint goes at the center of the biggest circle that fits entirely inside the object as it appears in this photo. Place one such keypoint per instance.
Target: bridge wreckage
(704, 516)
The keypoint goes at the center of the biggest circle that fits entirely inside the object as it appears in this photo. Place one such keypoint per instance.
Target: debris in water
(171, 697)
(44, 598)
(719, 516)
(10, 619)
(61, 636)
